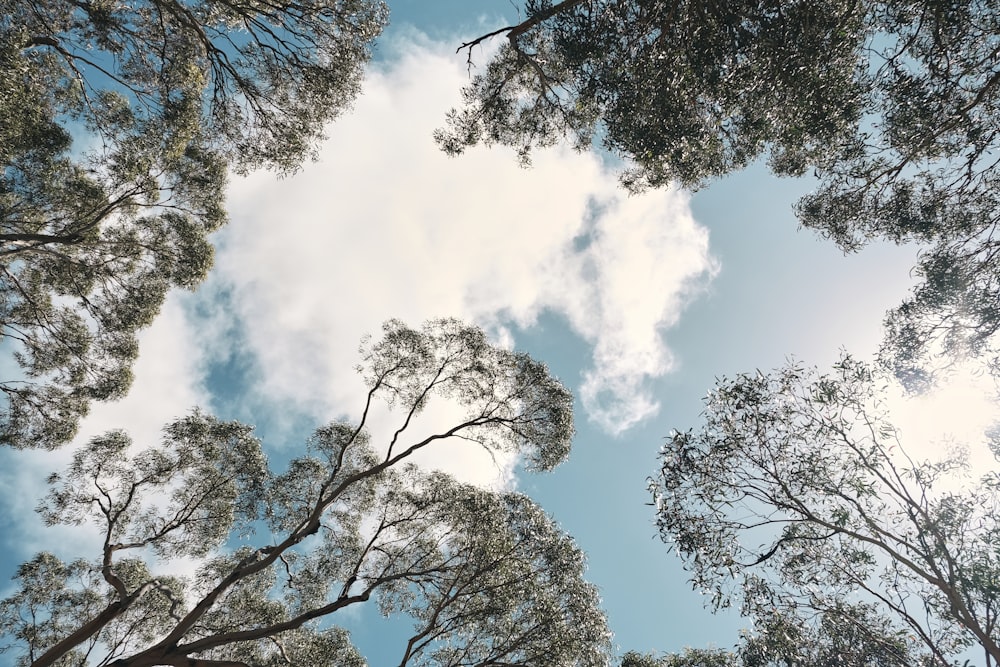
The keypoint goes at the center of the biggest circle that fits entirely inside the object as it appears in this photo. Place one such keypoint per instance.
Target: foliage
(893, 104)
(843, 637)
(486, 577)
(796, 500)
(688, 658)
(846, 635)
(161, 96)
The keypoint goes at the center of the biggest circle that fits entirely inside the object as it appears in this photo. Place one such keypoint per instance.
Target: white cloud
(168, 380)
(385, 225)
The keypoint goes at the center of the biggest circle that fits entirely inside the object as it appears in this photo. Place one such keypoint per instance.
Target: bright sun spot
(959, 412)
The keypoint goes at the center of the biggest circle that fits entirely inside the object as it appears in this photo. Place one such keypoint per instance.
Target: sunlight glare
(957, 413)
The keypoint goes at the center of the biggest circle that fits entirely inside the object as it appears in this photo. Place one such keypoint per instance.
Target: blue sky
(637, 303)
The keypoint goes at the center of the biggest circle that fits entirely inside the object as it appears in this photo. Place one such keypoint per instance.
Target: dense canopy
(894, 105)
(118, 122)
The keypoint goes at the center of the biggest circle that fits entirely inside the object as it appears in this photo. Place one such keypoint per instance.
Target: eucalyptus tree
(847, 637)
(690, 657)
(487, 578)
(894, 105)
(118, 122)
(796, 501)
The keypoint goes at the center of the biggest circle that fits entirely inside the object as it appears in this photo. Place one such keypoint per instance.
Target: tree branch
(515, 31)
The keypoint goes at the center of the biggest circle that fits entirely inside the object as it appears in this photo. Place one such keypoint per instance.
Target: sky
(637, 303)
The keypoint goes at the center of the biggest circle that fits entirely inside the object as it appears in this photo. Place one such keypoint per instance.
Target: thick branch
(84, 632)
(40, 40)
(226, 638)
(276, 629)
(564, 6)
(180, 661)
(515, 31)
(41, 238)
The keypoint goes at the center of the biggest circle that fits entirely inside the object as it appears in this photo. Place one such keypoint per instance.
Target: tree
(848, 637)
(688, 658)
(163, 96)
(487, 578)
(893, 104)
(844, 637)
(796, 500)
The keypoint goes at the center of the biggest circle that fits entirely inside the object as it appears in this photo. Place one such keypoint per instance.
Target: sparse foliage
(843, 637)
(796, 501)
(118, 121)
(487, 578)
(894, 105)
(688, 658)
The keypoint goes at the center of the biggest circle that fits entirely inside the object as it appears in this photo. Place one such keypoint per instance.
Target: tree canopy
(118, 122)
(486, 577)
(847, 637)
(796, 501)
(894, 105)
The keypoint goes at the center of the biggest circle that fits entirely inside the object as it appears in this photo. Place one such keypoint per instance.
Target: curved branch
(515, 31)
